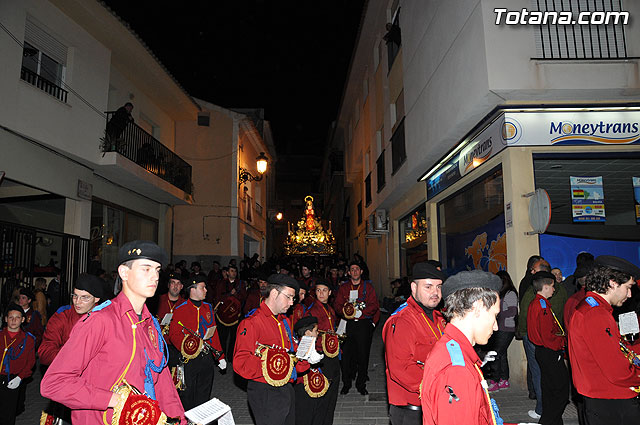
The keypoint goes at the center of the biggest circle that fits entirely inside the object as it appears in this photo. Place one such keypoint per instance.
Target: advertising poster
(636, 195)
(587, 199)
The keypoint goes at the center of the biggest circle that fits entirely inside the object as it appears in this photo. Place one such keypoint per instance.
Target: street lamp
(261, 164)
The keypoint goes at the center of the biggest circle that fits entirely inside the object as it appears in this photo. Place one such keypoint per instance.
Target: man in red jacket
(357, 303)
(409, 335)
(601, 372)
(546, 333)
(269, 332)
(195, 319)
(454, 390)
(18, 358)
(118, 340)
(173, 298)
(87, 293)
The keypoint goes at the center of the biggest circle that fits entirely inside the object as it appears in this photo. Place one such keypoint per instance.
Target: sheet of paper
(210, 332)
(342, 327)
(628, 323)
(353, 295)
(226, 419)
(208, 412)
(166, 319)
(305, 345)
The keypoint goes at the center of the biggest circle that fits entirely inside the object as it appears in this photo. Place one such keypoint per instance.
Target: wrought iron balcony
(43, 84)
(142, 148)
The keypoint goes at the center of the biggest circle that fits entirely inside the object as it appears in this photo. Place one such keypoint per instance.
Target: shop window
(111, 227)
(471, 227)
(413, 240)
(615, 231)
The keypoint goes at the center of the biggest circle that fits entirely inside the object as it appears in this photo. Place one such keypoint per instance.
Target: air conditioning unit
(381, 224)
(371, 228)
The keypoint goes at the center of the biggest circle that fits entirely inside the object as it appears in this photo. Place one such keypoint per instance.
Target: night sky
(290, 58)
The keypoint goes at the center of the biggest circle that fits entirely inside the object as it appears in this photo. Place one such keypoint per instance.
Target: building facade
(450, 121)
(76, 186)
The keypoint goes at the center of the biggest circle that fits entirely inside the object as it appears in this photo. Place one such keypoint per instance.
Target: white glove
(222, 364)
(358, 314)
(489, 357)
(14, 383)
(315, 357)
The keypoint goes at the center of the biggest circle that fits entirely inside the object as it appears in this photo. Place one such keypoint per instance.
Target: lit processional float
(308, 237)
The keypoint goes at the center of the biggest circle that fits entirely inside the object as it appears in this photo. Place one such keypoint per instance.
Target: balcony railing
(43, 84)
(142, 148)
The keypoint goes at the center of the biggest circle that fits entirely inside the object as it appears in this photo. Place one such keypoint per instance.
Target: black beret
(304, 322)
(471, 279)
(543, 275)
(618, 264)
(427, 271)
(283, 280)
(136, 250)
(27, 293)
(92, 284)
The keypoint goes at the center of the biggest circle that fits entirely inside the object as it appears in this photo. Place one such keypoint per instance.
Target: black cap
(471, 279)
(618, 264)
(176, 276)
(284, 280)
(304, 322)
(193, 281)
(325, 283)
(355, 263)
(92, 284)
(543, 275)
(27, 292)
(260, 275)
(137, 250)
(427, 270)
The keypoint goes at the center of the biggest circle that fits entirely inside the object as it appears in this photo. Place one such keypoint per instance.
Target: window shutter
(40, 39)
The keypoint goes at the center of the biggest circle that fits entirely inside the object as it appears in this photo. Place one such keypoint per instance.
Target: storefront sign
(612, 128)
(587, 199)
(482, 147)
(536, 128)
(636, 195)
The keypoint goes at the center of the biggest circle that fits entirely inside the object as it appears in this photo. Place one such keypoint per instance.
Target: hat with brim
(427, 271)
(471, 279)
(141, 250)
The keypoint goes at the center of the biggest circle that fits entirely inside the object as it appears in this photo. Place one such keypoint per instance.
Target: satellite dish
(540, 211)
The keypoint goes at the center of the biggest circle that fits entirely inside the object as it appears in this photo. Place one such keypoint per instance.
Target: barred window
(579, 41)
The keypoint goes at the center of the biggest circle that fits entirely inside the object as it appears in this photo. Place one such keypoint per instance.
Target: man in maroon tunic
(118, 340)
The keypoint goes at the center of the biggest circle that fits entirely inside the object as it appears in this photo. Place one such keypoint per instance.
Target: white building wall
(73, 127)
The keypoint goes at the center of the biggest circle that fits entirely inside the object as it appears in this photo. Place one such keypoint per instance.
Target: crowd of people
(294, 329)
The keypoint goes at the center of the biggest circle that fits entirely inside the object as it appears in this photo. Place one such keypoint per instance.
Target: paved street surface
(351, 409)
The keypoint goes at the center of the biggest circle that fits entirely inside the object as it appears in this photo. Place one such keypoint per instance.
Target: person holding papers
(193, 332)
